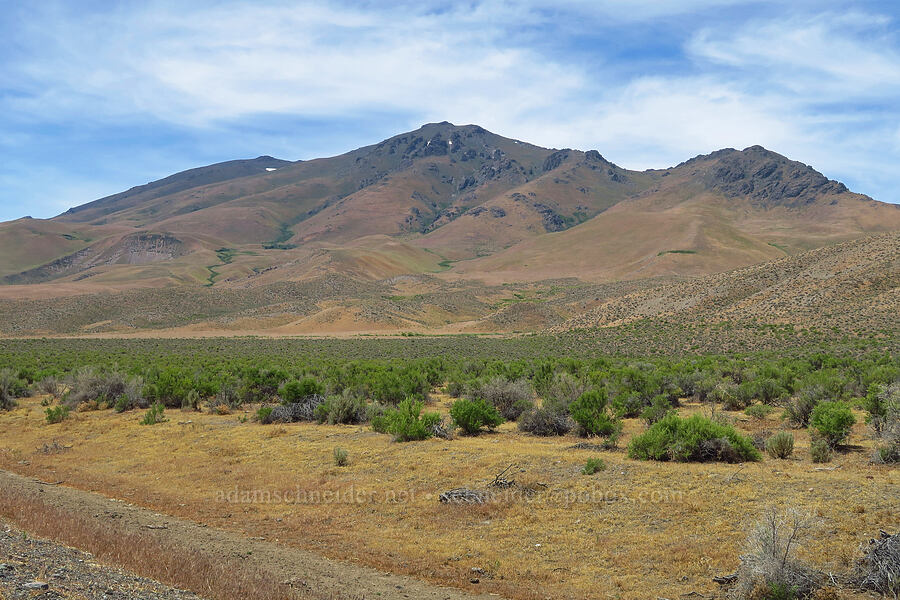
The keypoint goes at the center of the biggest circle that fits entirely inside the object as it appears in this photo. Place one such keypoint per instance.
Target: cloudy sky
(96, 97)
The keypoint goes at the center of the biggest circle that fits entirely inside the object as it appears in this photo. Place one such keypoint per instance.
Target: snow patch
(271, 169)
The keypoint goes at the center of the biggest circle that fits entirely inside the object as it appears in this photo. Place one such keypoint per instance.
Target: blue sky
(96, 97)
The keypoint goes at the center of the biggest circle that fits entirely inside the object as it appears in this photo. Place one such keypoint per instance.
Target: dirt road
(297, 573)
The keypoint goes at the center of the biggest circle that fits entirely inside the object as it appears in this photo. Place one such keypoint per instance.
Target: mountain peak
(765, 177)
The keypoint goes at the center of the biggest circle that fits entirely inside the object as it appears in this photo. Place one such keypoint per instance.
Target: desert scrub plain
(549, 526)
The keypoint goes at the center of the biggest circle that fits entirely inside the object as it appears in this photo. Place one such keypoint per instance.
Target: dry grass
(212, 577)
(635, 530)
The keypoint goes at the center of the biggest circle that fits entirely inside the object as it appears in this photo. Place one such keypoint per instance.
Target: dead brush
(53, 447)
(879, 569)
(769, 564)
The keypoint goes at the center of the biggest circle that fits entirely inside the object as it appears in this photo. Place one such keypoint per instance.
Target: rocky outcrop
(135, 249)
(768, 179)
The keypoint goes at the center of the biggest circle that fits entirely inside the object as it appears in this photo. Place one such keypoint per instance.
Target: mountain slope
(852, 285)
(457, 201)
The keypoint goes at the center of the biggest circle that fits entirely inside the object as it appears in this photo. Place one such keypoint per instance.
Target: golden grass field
(635, 530)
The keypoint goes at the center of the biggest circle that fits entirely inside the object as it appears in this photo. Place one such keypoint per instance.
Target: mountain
(451, 205)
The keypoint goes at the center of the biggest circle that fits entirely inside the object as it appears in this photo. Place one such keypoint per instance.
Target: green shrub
(406, 422)
(341, 457)
(296, 390)
(454, 388)
(593, 465)
(57, 414)
(264, 413)
(472, 415)
(393, 386)
(781, 591)
(545, 422)
(759, 411)
(11, 387)
(658, 409)
(155, 414)
(511, 398)
(833, 421)
(780, 445)
(591, 412)
(694, 439)
(820, 451)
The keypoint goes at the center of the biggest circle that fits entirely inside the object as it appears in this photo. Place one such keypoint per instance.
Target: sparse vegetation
(154, 415)
(593, 465)
(654, 389)
(341, 457)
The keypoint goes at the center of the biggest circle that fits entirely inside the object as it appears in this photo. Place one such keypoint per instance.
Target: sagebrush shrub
(694, 439)
(343, 409)
(545, 422)
(472, 415)
(511, 398)
(769, 568)
(341, 457)
(820, 451)
(759, 411)
(833, 421)
(263, 415)
(11, 387)
(799, 409)
(727, 394)
(883, 405)
(780, 445)
(90, 385)
(562, 391)
(659, 408)
(191, 400)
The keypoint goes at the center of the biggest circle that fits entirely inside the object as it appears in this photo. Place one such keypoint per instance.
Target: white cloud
(842, 55)
(792, 83)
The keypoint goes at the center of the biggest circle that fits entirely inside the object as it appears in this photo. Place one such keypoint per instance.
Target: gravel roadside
(36, 569)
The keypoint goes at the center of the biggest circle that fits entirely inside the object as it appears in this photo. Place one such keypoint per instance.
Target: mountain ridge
(458, 203)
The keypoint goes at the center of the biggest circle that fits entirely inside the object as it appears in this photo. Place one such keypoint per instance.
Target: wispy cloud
(647, 83)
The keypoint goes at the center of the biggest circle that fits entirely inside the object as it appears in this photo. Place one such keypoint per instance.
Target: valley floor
(272, 496)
